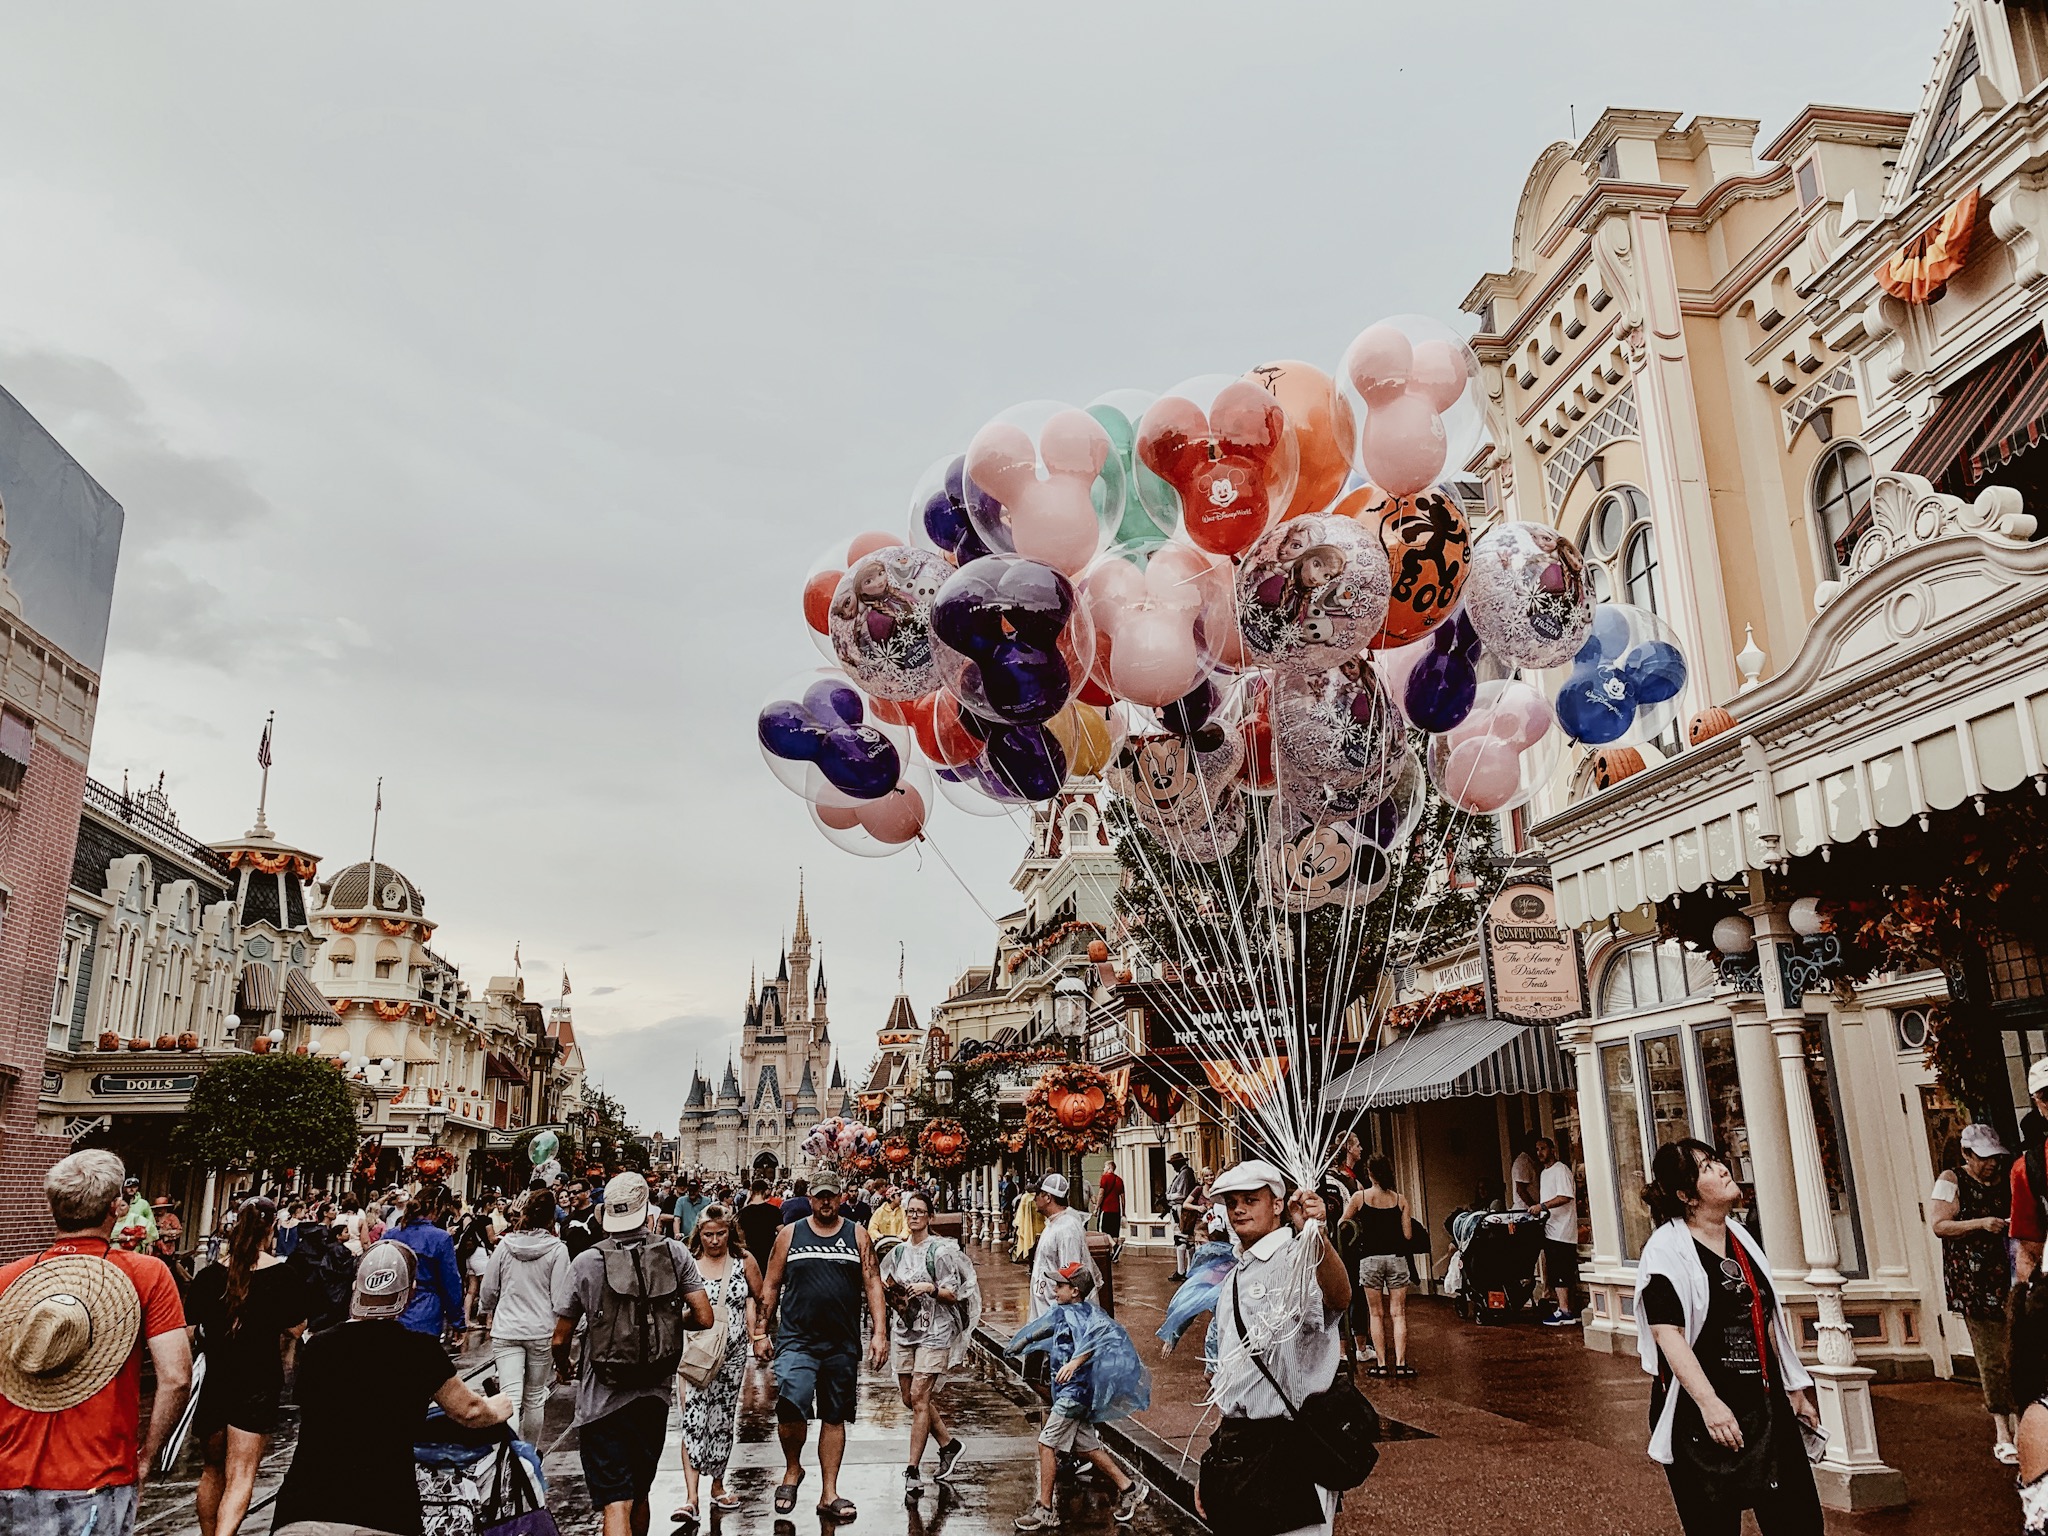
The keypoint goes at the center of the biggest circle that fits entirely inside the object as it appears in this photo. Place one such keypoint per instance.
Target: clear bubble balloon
(1225, 448)
(1311, 593)
(817, 733)
(1412, 387)
(1527, 596)
(1336, 730)
(1625, 682)
(1150, 507)
(938, 513)
(1502, 753)
(881, 621)
(1158, 612)
(1303, 866)
(1015, 642)
(821, 583)
(1052, 487)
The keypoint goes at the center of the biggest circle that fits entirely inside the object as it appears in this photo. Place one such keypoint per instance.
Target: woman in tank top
(1386, 1232)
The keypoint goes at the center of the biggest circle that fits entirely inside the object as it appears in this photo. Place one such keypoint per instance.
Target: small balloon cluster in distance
(1250, 605)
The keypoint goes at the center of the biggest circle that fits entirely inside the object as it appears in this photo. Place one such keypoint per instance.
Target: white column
(1770, 1142)
(1853, 1475)
(1599, 1193)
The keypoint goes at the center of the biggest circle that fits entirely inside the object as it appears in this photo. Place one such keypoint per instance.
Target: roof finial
(899, 967)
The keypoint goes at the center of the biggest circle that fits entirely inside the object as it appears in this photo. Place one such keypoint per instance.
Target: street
(993, 1485)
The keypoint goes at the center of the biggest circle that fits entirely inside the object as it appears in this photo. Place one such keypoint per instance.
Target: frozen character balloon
(1527, 596)
(1311, 593)
(882, 621)
(1337, 730)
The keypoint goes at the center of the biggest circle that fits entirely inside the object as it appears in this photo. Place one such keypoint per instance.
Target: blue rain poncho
(1111, 1385)
(1208, 1267)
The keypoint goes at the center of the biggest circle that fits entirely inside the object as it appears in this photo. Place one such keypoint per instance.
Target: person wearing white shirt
(1557, 1197)
(1522, 1181)
(1064, 1241)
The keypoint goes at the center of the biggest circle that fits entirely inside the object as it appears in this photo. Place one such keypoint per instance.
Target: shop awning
(257, 993)
(499, 1067)
(2022, 423)
(418, 1052)
(303, 1002)
(1970, 410)
(1455, 1059)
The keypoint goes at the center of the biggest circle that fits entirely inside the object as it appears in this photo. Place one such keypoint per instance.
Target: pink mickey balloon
(1438, 374)
(1379, 364)
(1112, 588)
(1153, 659)
(1401, 446)
(1044, 488)
(1514, 712)
(1480, 774)
(895, 818)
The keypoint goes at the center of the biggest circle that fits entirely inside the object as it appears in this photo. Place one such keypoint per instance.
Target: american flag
(263, 746)
(565, 981)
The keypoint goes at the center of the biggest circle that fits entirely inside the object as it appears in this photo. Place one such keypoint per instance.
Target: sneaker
(913, 1484)
(1128, 1501)
(949, 1458)
(1038, 1518)
(1559, 1318)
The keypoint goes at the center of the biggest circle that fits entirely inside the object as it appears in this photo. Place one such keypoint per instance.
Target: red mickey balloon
(1232, 460)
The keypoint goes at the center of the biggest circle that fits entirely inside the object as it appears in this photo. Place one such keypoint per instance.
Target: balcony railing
(151, 828)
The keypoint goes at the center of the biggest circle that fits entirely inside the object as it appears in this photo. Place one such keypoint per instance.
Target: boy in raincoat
(1096, 1376)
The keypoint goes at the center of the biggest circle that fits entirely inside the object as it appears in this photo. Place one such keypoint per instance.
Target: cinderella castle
(787, 1078)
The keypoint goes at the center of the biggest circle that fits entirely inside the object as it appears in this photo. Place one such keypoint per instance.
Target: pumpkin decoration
(188, 1042)
(431, 1165)
(896, 1151)
(944, 1144)
(140, 1044)
(1071, 1109)
(167, 1042)
(1613, 764)
(109, 1040)
(1708, 723)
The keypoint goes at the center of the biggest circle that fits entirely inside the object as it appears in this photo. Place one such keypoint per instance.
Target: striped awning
(1969, 412)
(303, 1002)
(257, 993)
(499, 1067)
(2020, 426)
(1456, 1059)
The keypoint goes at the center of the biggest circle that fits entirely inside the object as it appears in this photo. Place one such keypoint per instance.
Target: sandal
(687, 1515)
(840, 1510)
(1378, 1371)
(1405, 1372)
(785, 1495)
(725, 1501)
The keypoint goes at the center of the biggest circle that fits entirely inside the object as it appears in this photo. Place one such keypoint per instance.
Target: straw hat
(67, 1326)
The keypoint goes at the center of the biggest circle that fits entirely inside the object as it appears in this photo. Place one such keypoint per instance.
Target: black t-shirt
(246, 1362)
(363, 1393)
(759, 1223)
(1727, 1348)
(584, 1231)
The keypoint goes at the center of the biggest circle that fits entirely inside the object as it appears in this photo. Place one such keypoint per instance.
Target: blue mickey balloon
(1027, 760)
(945, 517)
(1626, 666)
(998, 621)
(1445, 682)
(827, 727)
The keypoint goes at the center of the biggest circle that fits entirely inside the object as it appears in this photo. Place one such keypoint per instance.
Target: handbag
(704, 1349)
(517, 1511)
(1251, 1480)
(1340, 1430)
(1737, 1477)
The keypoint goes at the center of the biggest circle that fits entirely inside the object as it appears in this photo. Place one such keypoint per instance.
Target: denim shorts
(65, 1512)
(1383, 1272)
(814, 1383)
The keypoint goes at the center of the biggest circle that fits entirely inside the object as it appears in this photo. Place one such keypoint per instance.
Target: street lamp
(942, 1086)
(1070, 1013)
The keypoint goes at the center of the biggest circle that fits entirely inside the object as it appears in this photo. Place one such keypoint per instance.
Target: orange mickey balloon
(1323, 429)
(1429, 551)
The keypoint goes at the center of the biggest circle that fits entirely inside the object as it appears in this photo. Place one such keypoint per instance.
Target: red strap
(1756, 1308)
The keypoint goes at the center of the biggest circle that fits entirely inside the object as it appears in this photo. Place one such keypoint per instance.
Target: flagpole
(263, 757)
(376, 815)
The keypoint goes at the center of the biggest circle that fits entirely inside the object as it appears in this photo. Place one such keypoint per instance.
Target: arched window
(1841, 503)
(1621, 549)
(387, 958)
(1639, 568)
(344, 958)
(1653, 974)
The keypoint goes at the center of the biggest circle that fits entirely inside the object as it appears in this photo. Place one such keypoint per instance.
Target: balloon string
(926, 840)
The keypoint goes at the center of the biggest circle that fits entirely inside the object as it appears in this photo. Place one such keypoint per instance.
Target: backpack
(639, 1333)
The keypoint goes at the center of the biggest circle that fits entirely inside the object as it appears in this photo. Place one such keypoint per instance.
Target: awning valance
(331, 1042)
(418, 1052)
(1925, 263)
(1245, 1085)
(258, 992)
(1455, 1059)
(303, 1002)
(1970, 412)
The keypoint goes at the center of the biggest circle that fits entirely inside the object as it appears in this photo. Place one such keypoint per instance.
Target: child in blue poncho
(1096, 1375)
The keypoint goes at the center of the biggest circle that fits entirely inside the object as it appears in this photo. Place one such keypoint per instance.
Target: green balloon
(543, 1146)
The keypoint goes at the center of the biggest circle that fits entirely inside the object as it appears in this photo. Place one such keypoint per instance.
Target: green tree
(610, 1139)
(269, 1113)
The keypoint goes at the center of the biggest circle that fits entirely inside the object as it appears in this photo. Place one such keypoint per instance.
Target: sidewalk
(1528, 1420)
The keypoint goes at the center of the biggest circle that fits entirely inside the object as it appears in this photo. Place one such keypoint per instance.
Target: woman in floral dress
(709, 1411)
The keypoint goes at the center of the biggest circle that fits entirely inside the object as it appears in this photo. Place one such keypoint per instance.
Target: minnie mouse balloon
(1625, 681)
(1527, 596)
(1411, 384)
(1055, 491)
(882, 621)
(1311, 593)
(1010, 633)
(1226, 449)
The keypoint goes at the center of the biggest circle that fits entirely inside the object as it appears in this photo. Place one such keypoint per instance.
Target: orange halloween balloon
(1323, 429)
(1429, 550)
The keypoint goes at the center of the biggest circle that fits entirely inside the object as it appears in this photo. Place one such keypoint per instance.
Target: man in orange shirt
(73, 1322)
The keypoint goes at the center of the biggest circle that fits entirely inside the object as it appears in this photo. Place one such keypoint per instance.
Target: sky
(480, 381)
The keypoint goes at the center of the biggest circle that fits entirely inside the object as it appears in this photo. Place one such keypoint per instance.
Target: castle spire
(802, 936)
(752, 995)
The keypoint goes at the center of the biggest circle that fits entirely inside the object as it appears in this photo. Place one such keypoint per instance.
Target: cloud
(648, 1068)
(605, 991)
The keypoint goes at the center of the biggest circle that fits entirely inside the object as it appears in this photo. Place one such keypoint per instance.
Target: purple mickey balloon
(998, 622)
(1027, 760)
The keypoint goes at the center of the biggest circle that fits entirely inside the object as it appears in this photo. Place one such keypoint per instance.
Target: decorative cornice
(1866, 126)
(1728, 191)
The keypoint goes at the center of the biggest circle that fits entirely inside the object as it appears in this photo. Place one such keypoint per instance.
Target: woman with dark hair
(710, 1411)
(1385, 1235)
(1730, 1410)
(327, 1270)
(245, 1312)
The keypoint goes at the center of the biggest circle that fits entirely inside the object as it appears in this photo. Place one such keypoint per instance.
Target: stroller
(472, 1480)
(1493, 1272)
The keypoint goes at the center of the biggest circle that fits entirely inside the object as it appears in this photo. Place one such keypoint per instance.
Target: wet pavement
(993, 1484)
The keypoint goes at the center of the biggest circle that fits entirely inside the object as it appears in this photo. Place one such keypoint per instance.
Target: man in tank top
(821, 1273)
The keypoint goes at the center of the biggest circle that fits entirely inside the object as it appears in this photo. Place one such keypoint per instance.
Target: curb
(1154, 1459)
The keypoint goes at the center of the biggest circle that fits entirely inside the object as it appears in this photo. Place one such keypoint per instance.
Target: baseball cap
(828, 1184)
(2037, 1076)
(1054, 1184)
(384, 1281)
(1253, 1173)
(625, 1203)
(1983, 1140)
(1078, 1275)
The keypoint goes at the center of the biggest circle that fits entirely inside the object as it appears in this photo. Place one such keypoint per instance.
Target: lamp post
(1070, 1023)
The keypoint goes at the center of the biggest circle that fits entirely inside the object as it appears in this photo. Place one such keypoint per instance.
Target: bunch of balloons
(839, 1140)
(1250, 603)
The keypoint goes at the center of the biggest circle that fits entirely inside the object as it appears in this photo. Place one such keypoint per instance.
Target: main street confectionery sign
(1533, 971)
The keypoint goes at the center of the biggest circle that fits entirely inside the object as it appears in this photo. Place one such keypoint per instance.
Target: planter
(262, 1045)
(138, 1045)
(167, 1042)
(188, 1042)
(109, 1041)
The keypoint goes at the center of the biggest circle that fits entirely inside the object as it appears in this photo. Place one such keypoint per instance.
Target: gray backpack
(637, 1337)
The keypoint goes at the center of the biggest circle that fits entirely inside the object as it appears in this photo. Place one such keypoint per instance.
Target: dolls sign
(1533, 971)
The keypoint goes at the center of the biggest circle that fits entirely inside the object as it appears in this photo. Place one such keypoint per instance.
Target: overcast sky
(480, 380)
